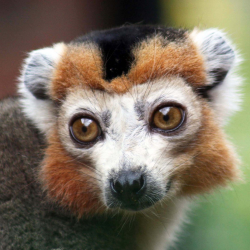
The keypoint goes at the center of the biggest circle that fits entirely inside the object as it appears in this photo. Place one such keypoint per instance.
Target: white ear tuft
(221, 60)
(35, 83)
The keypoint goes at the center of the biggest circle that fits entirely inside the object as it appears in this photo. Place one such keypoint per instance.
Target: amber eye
(85, 130)
(168, 118)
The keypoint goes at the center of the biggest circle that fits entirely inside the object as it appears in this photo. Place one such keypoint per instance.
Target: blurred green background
(222, 220)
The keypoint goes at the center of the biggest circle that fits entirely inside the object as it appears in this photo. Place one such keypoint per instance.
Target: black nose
(128, 187)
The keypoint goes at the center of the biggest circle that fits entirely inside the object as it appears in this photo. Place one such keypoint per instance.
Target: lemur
(112, 135)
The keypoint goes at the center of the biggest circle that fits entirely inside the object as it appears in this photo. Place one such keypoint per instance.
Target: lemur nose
(129, 186)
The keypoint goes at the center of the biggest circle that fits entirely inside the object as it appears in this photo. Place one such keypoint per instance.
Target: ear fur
(34, 85)
(38, 70)
(221, 61)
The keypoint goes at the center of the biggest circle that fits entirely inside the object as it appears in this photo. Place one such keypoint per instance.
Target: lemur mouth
(132, 191)
(137, 206)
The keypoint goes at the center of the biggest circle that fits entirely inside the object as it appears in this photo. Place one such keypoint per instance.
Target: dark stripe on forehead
(116, 45)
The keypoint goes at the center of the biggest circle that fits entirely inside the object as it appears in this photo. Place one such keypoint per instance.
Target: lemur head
(133, 116)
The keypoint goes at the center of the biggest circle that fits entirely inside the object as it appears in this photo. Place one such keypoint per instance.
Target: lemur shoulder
(112, 135)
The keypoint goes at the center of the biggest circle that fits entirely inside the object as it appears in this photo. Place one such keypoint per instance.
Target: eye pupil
(166, 118)
(84, 129)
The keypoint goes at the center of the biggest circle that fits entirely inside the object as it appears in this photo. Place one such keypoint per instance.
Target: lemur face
(132, 116)
(132, 139)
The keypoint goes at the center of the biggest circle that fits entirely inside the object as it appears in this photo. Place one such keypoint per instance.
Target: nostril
(117, 186)
(137, 184)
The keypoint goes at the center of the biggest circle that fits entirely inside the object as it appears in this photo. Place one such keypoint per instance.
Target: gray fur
(27, 219)
(140, 109)
(219, 55)
(38, 71)
(106, 116)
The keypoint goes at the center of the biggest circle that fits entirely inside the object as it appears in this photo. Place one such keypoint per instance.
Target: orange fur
(82, 65)
(73, 184)
(213, 161)
(79, 66)
(155, 59)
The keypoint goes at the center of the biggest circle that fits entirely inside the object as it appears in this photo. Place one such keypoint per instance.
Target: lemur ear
(221, 60)
(218, 53)
(34, 86)
(38, 70)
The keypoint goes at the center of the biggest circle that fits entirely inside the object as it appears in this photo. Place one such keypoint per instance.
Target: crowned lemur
(111, 136)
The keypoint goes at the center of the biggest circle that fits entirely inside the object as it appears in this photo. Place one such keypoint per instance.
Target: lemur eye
(85, 130)
(168, 118)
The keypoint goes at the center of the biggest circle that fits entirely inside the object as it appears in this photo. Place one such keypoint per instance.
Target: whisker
(85, 165)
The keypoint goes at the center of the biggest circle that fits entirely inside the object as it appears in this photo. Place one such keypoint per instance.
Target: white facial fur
(128, 142)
